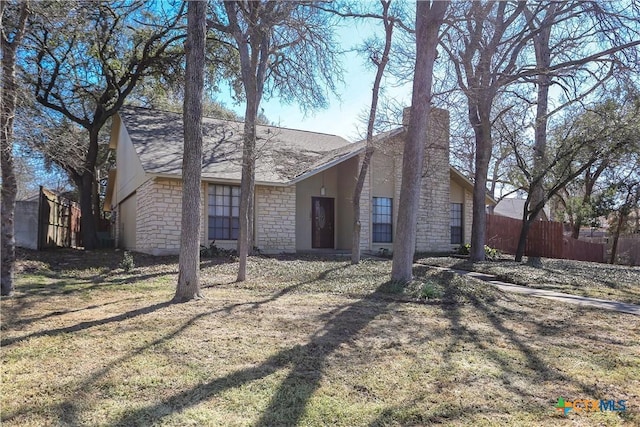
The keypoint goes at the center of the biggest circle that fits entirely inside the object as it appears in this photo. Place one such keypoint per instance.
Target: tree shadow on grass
(305, 363)
(68, 410)
(86, 325)
(19, 321)
(512, 369)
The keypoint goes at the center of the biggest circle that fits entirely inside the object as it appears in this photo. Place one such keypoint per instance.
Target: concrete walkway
(621, 307)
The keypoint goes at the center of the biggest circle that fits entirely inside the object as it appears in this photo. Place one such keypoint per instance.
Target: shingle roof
(282, 154)
(514, 208)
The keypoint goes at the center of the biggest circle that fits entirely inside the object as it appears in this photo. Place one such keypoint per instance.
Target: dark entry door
(322, 222)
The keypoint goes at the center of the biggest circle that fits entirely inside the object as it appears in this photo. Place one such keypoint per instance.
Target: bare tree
(380, 58)
(189, 261)
(14, 18)
(429, 19)
(284, 48)
(550, 26)
(601, 133)
(628, 194)
(488, 46)
(483, 45)
(85, 59)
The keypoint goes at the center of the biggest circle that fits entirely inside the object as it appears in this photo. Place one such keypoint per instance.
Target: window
(456, 223)
(382, 219)
(224, 212)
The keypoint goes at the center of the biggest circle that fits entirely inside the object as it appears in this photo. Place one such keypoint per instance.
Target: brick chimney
(433, 232)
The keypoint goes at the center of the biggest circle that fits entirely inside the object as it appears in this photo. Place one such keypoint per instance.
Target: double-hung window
(456, 223)
(382, 220)
(224, 212)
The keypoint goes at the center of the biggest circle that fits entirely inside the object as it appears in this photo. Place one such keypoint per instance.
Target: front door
(322, 222)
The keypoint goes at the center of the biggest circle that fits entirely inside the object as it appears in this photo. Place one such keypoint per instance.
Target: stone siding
(365, 209)
(468, 217)
(433, 233)
(276, 219)
(159, 217)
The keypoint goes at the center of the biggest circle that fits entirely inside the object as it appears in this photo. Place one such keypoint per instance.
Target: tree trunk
(253, 49)
(88, 222)
(357, 191)
(429, 17)
(543, 82)
(9, 185)
(522, 239)
(616, 237)
(247, 186)
(189, 261)
(480, 119)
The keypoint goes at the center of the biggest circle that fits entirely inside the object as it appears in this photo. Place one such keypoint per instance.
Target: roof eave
(488, 199)
(218, 180)
(326, 166)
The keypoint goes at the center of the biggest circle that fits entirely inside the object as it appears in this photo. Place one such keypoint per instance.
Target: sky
(343, 117)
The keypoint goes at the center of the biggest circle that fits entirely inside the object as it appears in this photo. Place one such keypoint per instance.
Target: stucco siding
(126, 235)
(129, 172)
(305, 190)
(384, 182)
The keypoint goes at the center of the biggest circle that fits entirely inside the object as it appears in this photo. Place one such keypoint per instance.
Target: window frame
(456, 213)
(228, 223)
(385, 235)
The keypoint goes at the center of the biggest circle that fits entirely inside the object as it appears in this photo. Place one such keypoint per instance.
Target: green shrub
(489, 253)
(430, 290)
(464, 249)
(127, 263)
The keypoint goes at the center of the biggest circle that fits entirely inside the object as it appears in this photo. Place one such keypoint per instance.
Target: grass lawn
(306, 341)
(590, 279)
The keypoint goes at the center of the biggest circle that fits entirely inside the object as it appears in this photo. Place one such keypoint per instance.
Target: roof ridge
(240, 122)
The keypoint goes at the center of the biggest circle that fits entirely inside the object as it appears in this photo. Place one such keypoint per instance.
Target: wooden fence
(628, 250)
(59, 222)
(545, 239)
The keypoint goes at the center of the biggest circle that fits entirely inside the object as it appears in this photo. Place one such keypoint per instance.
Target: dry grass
(306, 342)
(605, 281)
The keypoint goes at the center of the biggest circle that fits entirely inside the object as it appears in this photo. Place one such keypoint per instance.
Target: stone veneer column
(467, 218)
(433, 231)
(365, 208)
(276, 219)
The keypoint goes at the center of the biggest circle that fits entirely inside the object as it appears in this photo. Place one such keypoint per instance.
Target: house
(514, 208)
(304, 186)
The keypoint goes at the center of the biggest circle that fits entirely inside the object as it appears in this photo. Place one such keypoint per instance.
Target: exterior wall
(459, 194)
(26, 224)
(275, 228)
(468, 216)
(433, 233)
(365, 210)
(347, 177)
(159, 214)
(385, 179)
(305, 190)
(129, 172)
